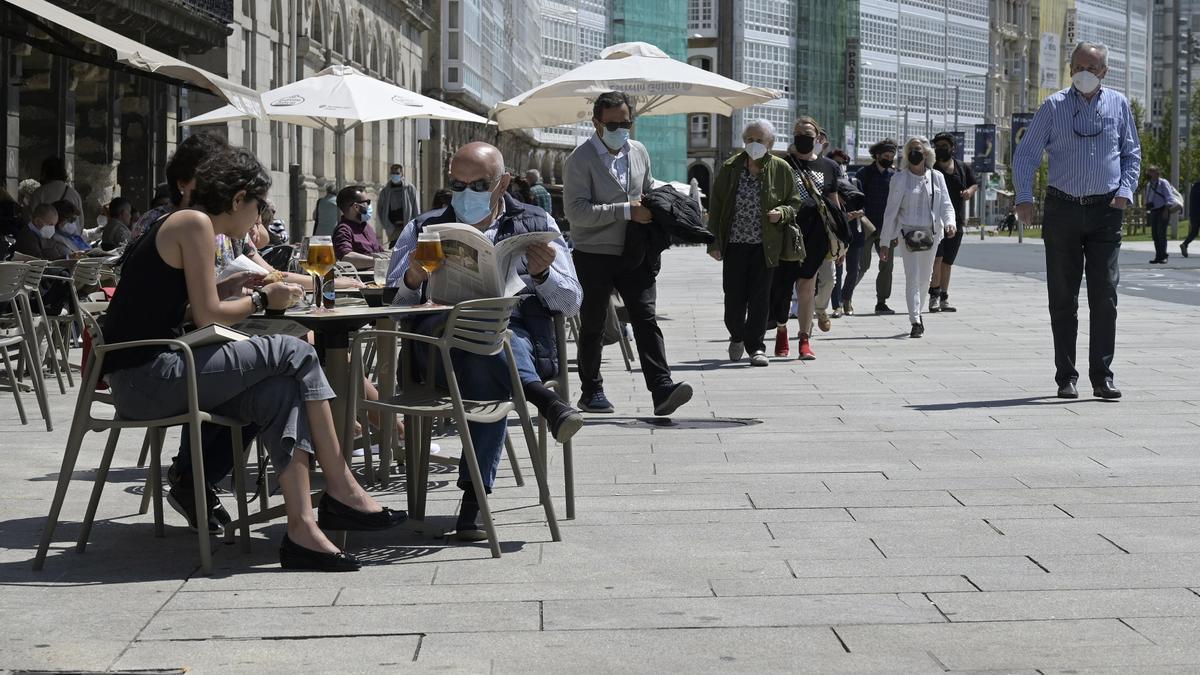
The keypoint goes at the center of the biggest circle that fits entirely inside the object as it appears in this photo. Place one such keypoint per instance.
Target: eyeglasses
(613, 126)
(481, 185)
(1094, 119)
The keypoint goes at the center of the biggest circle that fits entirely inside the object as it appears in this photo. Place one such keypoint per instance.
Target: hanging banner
(1051, 62)
(852, 78)
(985, 148)
(1070, 28)
(1020, 122)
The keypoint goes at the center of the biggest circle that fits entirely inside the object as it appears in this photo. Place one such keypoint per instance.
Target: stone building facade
(275, 42)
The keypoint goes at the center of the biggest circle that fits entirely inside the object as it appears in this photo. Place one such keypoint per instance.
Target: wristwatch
(259, 300)
(541, 278)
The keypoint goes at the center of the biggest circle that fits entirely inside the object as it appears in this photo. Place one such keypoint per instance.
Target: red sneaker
(806, 352)
(781, 341)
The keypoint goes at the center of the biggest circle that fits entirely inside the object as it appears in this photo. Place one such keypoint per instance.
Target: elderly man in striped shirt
(478, 187)
(1089, 133)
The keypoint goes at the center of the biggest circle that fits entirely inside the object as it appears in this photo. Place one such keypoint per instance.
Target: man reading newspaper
(545, 277)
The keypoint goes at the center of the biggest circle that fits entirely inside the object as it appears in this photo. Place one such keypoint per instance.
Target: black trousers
(783, 284)
(1193, 231)
(599, 275)
(1159, 220)
(218, 451)
(1078, 240)
(746, 280)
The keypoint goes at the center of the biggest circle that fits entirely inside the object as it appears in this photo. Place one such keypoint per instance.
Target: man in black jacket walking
(1193, 217)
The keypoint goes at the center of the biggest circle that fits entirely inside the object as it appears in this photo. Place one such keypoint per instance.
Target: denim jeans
(484, 378)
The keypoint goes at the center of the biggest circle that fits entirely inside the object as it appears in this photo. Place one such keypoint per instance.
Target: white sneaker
(759, 359)
(736, 350)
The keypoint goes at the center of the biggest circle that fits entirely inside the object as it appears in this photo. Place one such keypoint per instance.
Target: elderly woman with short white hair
(920, 213)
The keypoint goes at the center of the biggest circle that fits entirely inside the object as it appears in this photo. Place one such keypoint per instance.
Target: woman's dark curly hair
(221, 176)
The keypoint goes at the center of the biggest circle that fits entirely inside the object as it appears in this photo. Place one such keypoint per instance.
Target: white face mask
(1085, 82)
(756, 150)
(46, 231)
(71, 227)
(101, 220)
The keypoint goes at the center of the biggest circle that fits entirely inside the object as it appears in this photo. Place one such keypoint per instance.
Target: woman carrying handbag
(920, 212)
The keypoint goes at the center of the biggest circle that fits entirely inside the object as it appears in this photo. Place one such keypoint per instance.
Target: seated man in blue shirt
(479, 198)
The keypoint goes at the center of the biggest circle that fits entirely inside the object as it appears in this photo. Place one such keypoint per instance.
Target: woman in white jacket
(918, 201)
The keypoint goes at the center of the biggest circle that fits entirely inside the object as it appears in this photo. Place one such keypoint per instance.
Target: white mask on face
(45, 231)
(1085, 82)
(71, 227)
(756, 150)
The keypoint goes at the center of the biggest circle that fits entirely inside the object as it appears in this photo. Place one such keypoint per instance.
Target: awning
(141, 57)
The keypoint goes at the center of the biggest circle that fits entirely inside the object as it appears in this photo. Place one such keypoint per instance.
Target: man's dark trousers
(599, 274)
(746, 281)
(1159, 219)
(1081, 239)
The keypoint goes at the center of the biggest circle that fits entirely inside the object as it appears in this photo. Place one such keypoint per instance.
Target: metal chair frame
(84, 421)
(477, 327)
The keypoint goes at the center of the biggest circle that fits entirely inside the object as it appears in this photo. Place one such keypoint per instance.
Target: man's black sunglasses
(364, 201)
(613, 126)
(481, 185)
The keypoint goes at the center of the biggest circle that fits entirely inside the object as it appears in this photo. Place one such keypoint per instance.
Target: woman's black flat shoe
(334, 515)
(293, 556)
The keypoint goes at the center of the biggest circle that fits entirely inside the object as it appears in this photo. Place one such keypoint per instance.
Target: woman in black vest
(275, 382)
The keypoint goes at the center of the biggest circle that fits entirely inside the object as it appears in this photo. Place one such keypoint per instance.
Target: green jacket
(781, 241)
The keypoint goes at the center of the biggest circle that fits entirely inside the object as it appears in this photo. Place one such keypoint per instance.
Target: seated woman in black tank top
(275, 382)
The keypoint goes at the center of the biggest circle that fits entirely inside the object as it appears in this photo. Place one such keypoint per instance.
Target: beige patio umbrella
(339, 99)
(662, 85)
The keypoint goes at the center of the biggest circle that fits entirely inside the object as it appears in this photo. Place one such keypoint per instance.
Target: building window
(700, 14)
(700, 125)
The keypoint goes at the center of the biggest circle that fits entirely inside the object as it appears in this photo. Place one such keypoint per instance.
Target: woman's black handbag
(918, 240)
(921, 240)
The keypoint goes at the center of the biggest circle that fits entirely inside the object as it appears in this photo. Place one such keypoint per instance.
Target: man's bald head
(474, 161)
(477, 169)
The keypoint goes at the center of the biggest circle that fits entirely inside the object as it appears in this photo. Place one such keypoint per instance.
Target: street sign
(1051, 57)
(852, 78)
(985, 148)
(1020, 122)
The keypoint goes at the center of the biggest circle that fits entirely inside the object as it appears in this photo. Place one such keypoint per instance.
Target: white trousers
(918, 270)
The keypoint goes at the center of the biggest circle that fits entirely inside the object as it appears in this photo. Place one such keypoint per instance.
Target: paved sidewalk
(915, 506)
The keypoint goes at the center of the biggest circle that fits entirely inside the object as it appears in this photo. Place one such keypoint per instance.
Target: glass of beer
(430, 256)
(316, 258)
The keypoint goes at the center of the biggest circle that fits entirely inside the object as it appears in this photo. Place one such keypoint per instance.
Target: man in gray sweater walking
(604, 181)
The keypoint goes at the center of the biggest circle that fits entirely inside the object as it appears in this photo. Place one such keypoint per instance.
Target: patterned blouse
(747, 211)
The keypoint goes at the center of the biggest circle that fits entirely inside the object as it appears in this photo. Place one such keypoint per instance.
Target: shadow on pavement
(999, 403)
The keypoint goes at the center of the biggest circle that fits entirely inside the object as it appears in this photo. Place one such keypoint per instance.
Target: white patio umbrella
(339, 99)
(662, 85)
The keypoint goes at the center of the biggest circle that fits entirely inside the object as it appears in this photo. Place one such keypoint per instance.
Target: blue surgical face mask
(368, 213)
(615, 140)
(470, 206)
(396, 177)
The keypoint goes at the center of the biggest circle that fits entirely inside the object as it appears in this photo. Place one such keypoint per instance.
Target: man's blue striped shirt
(1093, 146)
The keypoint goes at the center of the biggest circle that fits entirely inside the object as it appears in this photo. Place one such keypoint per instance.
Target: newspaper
(474, 268)
(240, 264)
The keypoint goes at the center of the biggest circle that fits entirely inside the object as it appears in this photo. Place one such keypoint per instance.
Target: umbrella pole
(339, 155)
